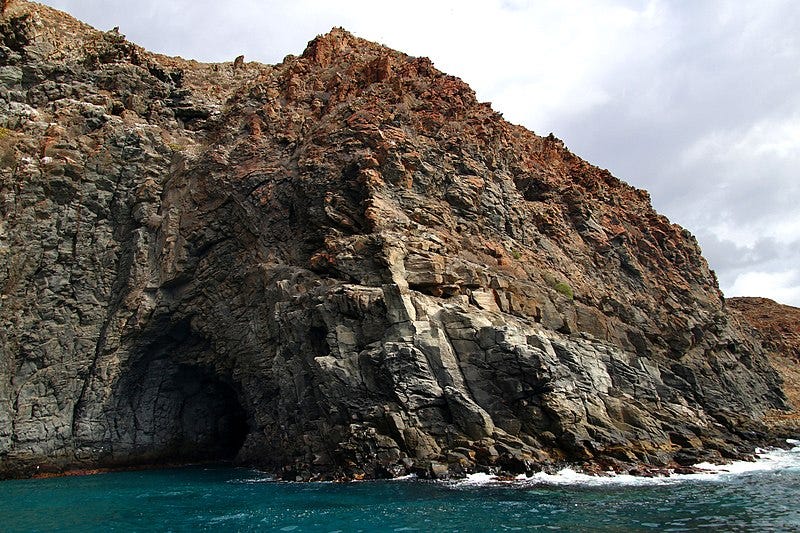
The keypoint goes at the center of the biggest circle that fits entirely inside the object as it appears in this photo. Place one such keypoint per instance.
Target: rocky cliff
(339, 266)
(778, 328)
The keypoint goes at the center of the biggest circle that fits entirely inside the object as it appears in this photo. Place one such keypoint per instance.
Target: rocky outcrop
(778, 328)
(339, 266)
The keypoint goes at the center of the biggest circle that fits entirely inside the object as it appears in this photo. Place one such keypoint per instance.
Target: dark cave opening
(212, 424)
(173, 412)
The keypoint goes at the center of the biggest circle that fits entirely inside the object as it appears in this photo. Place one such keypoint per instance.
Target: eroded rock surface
(778, 328)
(339, 266)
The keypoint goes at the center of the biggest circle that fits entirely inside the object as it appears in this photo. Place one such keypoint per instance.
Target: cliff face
(339, 266)
(778, 328)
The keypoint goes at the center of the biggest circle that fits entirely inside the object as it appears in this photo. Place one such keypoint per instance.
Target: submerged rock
(341, 266)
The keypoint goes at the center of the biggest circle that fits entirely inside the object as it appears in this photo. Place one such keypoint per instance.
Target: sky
(697, 101)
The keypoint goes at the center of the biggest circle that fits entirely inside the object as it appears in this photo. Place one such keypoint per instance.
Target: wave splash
(767, 460)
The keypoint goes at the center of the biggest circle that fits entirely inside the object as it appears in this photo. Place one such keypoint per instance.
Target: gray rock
(334, 276)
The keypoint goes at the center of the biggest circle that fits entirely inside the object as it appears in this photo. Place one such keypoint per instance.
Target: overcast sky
(696, 101)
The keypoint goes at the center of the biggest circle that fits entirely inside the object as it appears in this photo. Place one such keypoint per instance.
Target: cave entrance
(212, 424)
(177, 412)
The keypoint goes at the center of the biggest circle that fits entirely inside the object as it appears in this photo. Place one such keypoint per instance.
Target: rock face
(778, 327)
(339, 266)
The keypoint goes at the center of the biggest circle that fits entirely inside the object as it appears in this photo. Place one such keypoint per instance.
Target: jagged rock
(778, 327)
(341, 266)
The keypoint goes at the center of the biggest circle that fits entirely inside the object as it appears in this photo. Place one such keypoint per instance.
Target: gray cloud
(729, 256)
(708, 120)
(697, 102)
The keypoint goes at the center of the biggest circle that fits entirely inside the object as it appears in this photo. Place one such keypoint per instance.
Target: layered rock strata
(340, 266)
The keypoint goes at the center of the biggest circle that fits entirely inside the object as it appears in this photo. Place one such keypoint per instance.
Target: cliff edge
(340, 266)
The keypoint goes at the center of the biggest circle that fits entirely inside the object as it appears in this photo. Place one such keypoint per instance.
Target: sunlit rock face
(341, 266)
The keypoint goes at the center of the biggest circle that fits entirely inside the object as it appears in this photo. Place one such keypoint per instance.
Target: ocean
(746, 496)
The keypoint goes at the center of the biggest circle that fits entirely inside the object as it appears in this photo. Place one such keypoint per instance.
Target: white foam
(225, 518)
(247, 481)
(767, 460)
(775, 459)
(569, 476)
(479, 478)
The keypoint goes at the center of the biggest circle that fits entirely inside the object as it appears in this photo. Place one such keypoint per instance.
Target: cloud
(705, 115)
(737, 264)
(780, 286)
(775, 138)
(695, 101)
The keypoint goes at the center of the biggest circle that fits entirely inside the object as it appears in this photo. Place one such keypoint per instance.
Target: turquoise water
(760, 497)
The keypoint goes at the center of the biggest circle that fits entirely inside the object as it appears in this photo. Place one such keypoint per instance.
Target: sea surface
(759, 496)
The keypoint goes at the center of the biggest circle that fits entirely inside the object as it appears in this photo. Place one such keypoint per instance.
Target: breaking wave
(766, 460)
